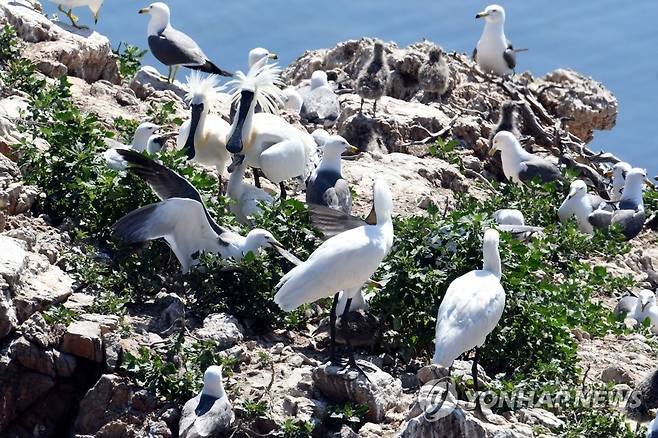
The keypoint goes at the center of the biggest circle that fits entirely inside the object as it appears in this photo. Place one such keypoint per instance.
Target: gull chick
(434, 74)
(372, 81)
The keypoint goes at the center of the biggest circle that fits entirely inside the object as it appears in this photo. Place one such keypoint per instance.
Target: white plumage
(344, 262)
(245, 197)
(142, 140)
(509, 216)
(619, 172)
(258, 53)
(493, 43)
(583, 205)
(93, 5)
(471, 307)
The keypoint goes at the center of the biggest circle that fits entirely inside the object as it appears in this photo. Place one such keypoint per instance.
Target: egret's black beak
(237, 161)
(197, 109)
(234, 144)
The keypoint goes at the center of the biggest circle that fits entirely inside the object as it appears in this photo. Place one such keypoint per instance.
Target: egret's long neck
(491, 257)
(158, 23)
(331, 161)
(201, 126)
(235, 187)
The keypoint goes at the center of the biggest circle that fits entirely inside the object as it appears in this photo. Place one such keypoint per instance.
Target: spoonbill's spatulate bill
(345, 262)
(494, 53)
(520, 166)
(471, 308)
(265, 140)
(172, 47)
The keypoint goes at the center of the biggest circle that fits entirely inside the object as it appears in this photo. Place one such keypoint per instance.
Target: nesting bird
(172, 47)
(494, 53)
(373, 79)
(320, 103)
(434, 74)
(326, 185)
(93, 5)
(246, 198)
(591, 211)
(509, 216)
(209, 413)
(265, 140)
(638, 308)
(204, 135)
(182, 219)
(143, 139)
(471, 309)
(519, 165)
(344, 262)
(630, 214)
(292, 100)
(619, 172)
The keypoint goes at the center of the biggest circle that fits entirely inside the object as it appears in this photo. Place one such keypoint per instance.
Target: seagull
(93, 5)
(638, 308)
(326, 185)
(143, 139)
(320, 103)
(520, 166)
(182, 219)
(494, 53)
(204, 135)
(209, 413)
(509, 216)
(265, 140)
(619, 172)
(471, 309)
(630, 214)
(591, 210)
(292, 100)
(258, 53)
(345, 263)
(434, 74)
(373, 78)
(246, 199)
(172, 47)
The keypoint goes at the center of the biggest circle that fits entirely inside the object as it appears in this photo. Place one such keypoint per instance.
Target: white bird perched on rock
(619, 172)
(143, 139)
(494, 53)
(210, 413)
(172, 47)
(246, 198)
(320, 103)
(638, 308)
(182, 219)
(591, 211)
(630, 214)
(373, 79)
(344, 262)
(326, 185)
(518, 164)
(471, 309)
(265, 140)
(292, 100)
(258, 53)
(65, 7)
(204, 135)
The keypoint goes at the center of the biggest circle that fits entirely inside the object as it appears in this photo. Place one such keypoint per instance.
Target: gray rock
(112, 350)
(43, 286)
(108, 400)
(206, 417)
(380, 391)
(13, 259)
(540, 417)
(49, 362)
(616, 374)
(148, 80)
(221, 328)
(83, 339)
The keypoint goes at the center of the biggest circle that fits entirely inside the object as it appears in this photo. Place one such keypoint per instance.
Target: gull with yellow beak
(591, 211)
(172, 47)
(519, 165)
(494, 53)
(258, 53)
(65, 7)
(637, 308)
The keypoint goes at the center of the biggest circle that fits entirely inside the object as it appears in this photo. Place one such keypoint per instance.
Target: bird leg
(351, 361)
(169, 74)
(256, 177)
(332, 331)
(374, 109)
(476, 385)
(361, 107)
(175, 72)
(283, 190)
(73, 18)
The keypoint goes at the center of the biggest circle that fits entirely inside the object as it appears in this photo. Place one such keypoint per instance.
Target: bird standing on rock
(372, 81)
(94, 7)
(172, 47)
(434, 74)
(494, 53)
(471, 309)
(519, 165)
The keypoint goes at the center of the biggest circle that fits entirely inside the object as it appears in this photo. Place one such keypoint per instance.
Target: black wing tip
(210, 67)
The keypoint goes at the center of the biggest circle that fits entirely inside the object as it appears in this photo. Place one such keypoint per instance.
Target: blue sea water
(612, 41)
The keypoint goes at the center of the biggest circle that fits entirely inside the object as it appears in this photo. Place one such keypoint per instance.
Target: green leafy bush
(130, 59)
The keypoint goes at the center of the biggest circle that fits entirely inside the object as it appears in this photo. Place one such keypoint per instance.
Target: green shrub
(130, 59)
